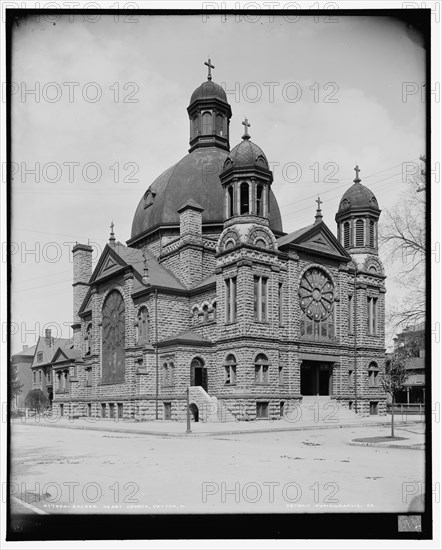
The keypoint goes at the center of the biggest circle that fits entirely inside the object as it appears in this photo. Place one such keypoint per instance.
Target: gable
(109, 263)
(316, 238)
(59, 356)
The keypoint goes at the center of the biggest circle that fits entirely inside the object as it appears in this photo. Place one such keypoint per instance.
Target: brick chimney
(191, 243)
(48, 339)
(82, 260)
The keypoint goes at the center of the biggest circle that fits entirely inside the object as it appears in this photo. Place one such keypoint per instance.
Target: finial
(246, 125)
(318, 217)
(210, 66)
(145, 278)
(112, 235)
(357, 170)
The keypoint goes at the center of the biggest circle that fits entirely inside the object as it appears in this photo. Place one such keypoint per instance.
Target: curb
(212, 433)
(413, 447)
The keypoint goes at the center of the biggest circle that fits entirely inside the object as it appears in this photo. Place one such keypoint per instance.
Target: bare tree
(402, 234)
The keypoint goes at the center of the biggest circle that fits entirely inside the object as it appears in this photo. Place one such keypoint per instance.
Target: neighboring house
(45, 351)
(211, 293)
(414, 338)
(22, 362)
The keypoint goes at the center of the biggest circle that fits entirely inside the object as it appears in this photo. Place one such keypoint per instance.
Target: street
(57, 470)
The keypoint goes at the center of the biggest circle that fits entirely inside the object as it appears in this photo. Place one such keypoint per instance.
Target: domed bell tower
(209, 115)
(246, 180)
(357, 219)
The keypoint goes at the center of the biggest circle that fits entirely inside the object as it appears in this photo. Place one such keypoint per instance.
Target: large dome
(208, 90)
(196, 177)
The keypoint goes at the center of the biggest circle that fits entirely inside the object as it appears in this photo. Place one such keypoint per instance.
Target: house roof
(26, 352)
(48, 348)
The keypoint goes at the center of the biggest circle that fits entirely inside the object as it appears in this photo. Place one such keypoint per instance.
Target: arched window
(360, 233)
(205, 313)
(230, 370)
(88, 339)
(195, 126)
(113, 331)
(371, 233)
(214, 311)
(346, 234)
(244, 198)
(259, 201)
(261, 369)
(230, 201)
(219, 125)
(261, 243)
(143, 326)
(207, 123)
(373, 375)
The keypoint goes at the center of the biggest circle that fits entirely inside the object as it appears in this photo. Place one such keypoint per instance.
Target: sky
(109, 115)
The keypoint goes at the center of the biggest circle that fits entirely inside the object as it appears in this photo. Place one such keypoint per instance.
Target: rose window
(316, 294)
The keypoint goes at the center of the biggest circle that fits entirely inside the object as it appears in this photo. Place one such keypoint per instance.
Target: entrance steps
(210, 409)
(319, 409)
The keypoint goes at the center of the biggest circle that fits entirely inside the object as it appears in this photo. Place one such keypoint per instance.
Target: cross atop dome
(246, 125)
(209, 65)
(357, 170)
(318, 217)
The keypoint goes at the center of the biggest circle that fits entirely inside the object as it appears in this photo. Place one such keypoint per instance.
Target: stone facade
(252, 321)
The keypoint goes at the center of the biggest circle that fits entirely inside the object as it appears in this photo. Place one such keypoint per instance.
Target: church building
(210, 294)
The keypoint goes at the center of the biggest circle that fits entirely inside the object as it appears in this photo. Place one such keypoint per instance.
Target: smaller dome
(356, 197)
(246, 155)
(208, 90)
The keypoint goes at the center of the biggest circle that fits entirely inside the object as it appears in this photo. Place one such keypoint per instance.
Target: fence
(404, 410)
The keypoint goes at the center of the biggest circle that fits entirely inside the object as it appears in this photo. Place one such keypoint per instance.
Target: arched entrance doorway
(198, 373)
(194, 412)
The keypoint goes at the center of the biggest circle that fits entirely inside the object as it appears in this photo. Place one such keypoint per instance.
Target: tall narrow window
(230, 201)
(346, 234)
(372, 315)
(143, 326)
(88, 339)
(113, 339)
(360, 233)
(261, 369)
(219, 125)
(260, 298)
(231, 300)
(244, 198)
(280, 303)
(195, 126)
(230, 370)
(207, 123)
(259, 205)
(373, 375)
(351, 314)
(371, 233)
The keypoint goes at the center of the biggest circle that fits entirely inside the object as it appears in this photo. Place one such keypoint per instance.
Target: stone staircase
(209, 408)
(321, 409)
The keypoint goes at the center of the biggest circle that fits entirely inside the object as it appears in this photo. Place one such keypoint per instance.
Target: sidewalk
(406, 437)
(178, 429)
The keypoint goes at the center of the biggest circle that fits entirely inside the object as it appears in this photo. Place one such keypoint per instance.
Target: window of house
(168, 374)
(66, 381)
(88, 340)
(346, 234)
(214, 311)
(351, 380)
(111, 410)
(261, 369)
(103, 410)
(88, 373)
(373, 375)
(260, 298)
(230, 300)
(359, 232)
(113, 339)
(259, 201)
(119, 410)
(244, 198)
(372, 315)
(351, 314)
(230, 370)
(61, 409)
(230, 201)
(167, 411)
(281, 409)
(281, 375)
(374, 406)
(34, 374)
(219, 125)
(48, 377)
(40, 376)
(207, 123)
(143, 326)
(89, 409)
(39, 357)
(205, 313)
(371, 233)
(262, 409)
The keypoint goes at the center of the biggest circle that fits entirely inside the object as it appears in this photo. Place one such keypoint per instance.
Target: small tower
(246, 180)
(357, 219)
(209, 115)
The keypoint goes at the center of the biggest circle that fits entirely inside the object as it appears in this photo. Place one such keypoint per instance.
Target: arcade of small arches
(358, 233)
(247, 197)
(207, 123)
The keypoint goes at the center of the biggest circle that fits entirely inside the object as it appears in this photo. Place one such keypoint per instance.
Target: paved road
(76, 471)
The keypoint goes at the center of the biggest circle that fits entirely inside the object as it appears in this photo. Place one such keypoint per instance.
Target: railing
(416, 410)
